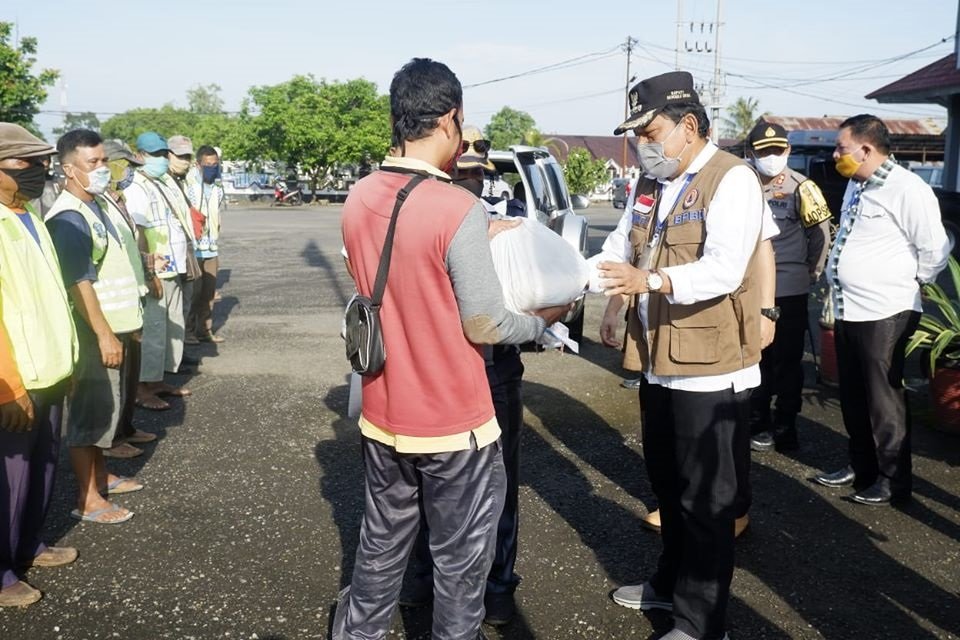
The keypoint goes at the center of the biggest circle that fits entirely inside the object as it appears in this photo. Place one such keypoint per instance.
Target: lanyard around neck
(661, 223)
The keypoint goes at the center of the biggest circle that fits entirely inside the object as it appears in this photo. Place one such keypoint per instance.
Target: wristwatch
(773, 313)
(654, 281)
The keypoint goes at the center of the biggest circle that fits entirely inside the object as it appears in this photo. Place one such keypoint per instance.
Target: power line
(572, 62)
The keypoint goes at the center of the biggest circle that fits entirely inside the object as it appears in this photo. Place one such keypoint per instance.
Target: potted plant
(939, 336)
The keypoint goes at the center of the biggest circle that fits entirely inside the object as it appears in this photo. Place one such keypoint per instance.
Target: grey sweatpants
(463, 494)
(162, 346)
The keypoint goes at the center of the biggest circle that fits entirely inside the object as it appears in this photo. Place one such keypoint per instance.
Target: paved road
(250, 516)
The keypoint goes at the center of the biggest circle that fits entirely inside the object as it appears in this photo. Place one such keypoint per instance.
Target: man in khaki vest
(689, 256)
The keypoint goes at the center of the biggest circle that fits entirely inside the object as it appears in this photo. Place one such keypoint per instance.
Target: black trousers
(781, 369)
(870, 359)
(505, 375)
(695, 445)
(460, 494)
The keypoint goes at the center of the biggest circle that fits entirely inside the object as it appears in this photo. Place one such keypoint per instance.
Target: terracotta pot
(945, 397)
(829, 373)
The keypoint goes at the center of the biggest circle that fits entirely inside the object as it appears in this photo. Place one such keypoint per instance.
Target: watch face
(654, 281)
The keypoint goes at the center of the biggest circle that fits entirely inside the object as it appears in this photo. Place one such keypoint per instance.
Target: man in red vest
(430, 435)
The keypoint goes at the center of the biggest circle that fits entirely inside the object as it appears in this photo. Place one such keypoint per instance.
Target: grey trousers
(161, 348)
(463, 495)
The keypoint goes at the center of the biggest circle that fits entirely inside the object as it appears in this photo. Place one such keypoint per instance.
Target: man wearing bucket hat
(38, 347)
(803, 218)
(691, 257)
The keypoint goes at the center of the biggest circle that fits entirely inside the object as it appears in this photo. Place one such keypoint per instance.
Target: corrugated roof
(896, 126)
(600, 147)
(932, 83)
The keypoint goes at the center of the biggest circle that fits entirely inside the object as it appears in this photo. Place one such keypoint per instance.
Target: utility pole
(628, 47)
(717, 92)
(676, 50)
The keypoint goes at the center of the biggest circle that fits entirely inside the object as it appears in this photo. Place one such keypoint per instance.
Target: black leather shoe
(500, 609)
(880, 494)
(785, 439)
(762, 441)
(418, 593)
(842, 478)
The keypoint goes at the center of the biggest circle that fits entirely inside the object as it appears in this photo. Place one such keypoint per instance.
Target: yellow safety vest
(117, 288)
(34, 306)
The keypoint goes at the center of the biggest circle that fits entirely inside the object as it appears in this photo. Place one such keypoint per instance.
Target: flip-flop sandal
(141, 437)
(123, 450)
(176, 392)
(97, 516)
(154, 404)
(115, 487)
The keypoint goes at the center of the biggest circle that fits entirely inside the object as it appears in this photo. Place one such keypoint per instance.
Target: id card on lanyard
(662, 222)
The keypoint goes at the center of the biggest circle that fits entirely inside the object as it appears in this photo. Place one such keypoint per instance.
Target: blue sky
(115, 55)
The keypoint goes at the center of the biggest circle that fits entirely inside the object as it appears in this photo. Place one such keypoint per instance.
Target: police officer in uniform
(803, 217)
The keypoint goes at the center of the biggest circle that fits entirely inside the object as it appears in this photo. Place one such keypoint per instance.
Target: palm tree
(743, 115)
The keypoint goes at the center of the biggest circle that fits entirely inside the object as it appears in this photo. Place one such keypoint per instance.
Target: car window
(535, 180)
(555, 176)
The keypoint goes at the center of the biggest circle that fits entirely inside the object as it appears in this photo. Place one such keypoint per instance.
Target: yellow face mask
(118, 169)
(847, 166)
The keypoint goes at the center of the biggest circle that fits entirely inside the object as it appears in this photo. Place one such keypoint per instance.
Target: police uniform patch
(779, 195)
(780, 179)
(691, 198)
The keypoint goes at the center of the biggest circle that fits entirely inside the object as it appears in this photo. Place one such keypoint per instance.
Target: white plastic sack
(537, 268)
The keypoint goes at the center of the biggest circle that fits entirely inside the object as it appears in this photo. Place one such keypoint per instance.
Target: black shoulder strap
(384, 268)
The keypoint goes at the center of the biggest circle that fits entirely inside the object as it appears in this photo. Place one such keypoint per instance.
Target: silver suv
(545, 197)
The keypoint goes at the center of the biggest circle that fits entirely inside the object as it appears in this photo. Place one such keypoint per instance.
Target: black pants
(695, 445)
(505, 375)
(460, 494)
(781, 369)
(870, 360)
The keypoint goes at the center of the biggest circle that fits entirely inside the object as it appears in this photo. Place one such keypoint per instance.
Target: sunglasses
(481, 146)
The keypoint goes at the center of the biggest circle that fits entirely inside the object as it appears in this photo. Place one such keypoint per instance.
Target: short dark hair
(73, 140)
(206, 151)
(869, 128)
(421, 91)
(677, 110)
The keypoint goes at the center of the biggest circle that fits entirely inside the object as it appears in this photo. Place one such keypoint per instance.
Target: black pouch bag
(363, 332)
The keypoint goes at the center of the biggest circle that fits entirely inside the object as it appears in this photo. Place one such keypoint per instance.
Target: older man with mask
(97, 253)
(891, 241)
(38, 346)
(163, 232)
(690, 256)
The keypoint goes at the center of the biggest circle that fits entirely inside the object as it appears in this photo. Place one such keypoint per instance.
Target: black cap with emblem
(767, 134)
(648, 97)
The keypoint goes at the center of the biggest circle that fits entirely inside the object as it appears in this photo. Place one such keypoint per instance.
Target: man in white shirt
(890, 242)
(690, 255)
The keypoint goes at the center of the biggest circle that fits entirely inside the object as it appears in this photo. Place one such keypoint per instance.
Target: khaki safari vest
(712, 337)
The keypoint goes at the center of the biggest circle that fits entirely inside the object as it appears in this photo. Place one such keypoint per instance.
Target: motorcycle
(282, 195)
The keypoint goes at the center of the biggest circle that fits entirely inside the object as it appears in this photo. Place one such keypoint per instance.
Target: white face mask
(771, 166)
(99, 180)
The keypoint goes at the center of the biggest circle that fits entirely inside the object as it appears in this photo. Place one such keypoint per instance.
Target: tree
(21, 91)
(583, 172)
(318, 126)
(204, 99)
(83, 120)
(743, 115)
(507, 127)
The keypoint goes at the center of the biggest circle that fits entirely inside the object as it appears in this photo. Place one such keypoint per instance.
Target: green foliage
(318, 125)
(204, 99)
(21, 91)
(82, 120)
(939, 333)
(582, 172)
(743, 116)
(508, 127)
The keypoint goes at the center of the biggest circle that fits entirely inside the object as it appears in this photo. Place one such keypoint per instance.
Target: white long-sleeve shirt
(737, 216)
(896, 241)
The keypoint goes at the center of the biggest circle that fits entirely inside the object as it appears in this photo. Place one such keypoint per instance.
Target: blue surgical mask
(155, 167)
(127, 178)
(210, 173)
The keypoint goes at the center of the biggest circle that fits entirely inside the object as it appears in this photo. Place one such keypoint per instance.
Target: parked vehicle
(544, 196)
(621, 192)
(287, 192)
